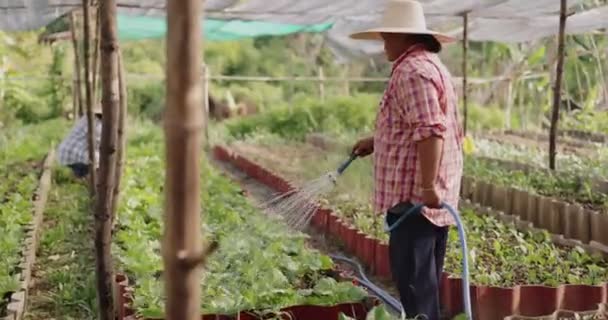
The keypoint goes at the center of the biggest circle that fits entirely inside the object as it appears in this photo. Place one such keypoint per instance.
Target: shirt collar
(409, 51)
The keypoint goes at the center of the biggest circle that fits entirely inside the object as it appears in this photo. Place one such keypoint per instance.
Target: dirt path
(63, 277)
(257, 192)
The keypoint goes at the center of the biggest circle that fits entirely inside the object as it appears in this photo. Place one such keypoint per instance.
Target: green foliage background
(36, 79)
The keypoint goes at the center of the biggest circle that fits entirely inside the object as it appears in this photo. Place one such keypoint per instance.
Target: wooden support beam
(107, 160)
(465, 49)
(77, 68)
(74, 92)
(88, 97)
(183, 121)
(121, 137)
(95, 64)
(206, 83)
(321, 85)
(558, 84)
(509, 105)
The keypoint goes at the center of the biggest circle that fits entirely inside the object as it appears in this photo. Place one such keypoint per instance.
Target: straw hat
(401, 16)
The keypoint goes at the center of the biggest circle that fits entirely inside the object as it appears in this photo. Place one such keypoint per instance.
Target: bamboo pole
(107, 171)
(96, 54)
(509, 105)
(465, 48)
(600, 69)
(121, 137)
(346, 82)
(321, 85)
(182, 242)
(76, 65)
(206, 74)
(89, 103)
(523, 111)
(557, 86)
(74, 93)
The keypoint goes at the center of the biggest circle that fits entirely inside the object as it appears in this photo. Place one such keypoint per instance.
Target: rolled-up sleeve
(420, 99)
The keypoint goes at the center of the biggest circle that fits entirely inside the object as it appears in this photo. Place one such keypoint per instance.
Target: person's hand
(364, 147)
(430, 198)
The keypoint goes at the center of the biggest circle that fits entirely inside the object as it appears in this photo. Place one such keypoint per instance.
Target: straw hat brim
(374, 34)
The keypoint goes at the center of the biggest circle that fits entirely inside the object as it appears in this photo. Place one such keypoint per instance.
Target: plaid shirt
(419, 102)
(75, 147)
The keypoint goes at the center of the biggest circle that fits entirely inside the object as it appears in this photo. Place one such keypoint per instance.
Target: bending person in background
(417, 146)
(74, 149)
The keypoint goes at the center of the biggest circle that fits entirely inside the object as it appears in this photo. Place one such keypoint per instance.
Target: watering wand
(333, 176)
(417, 209)
(346, 163)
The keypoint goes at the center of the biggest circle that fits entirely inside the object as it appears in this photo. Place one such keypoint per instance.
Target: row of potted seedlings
(574, 138)
(489, 302)
(597, 184)
(581, 221)
(573, 220)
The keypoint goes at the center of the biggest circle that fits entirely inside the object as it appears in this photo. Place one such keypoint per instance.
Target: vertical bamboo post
(121, 136)
(182, 243)
(74, 92)
(346, 83)
(76, 65)
(206, 82)
(600, 66)
(95, 64)
(107, 169)
(321, 85)
(523, 111)
(509, 104)
(557, 85)
(465, 49)
(89, 103)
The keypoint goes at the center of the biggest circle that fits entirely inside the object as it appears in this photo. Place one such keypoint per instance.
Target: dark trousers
(417, 251)
(80, 170)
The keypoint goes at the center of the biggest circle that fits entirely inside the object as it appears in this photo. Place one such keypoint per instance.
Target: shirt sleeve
(420, 98)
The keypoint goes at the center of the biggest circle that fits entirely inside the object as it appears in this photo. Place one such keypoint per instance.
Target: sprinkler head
(333, 177)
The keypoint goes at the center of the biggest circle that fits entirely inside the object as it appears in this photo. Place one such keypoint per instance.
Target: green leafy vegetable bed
(21, 149)
(500, 255)
(16, 191)
(338, 115)
(260, 264)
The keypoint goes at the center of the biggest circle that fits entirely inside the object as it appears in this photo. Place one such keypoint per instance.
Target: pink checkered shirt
(419, 102)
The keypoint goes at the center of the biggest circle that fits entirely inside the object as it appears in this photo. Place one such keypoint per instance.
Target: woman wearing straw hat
(417, 146)
(74, 149)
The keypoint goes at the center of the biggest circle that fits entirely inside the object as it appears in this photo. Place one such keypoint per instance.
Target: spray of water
(297, 206)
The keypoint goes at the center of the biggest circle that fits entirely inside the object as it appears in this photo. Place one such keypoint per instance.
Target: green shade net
(141, 27)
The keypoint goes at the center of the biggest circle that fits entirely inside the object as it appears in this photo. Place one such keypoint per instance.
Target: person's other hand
(364, 147)
(431, 199)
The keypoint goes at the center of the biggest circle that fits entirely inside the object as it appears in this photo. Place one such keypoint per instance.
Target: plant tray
(489, 302)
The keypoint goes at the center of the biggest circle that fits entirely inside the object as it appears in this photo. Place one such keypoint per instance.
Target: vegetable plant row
(583, 166)
(567, 217)
(566, 185)
(489, 302)
(21, 153)
(16, 191)
(562, 185)
(501, 255)
(260, 265)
